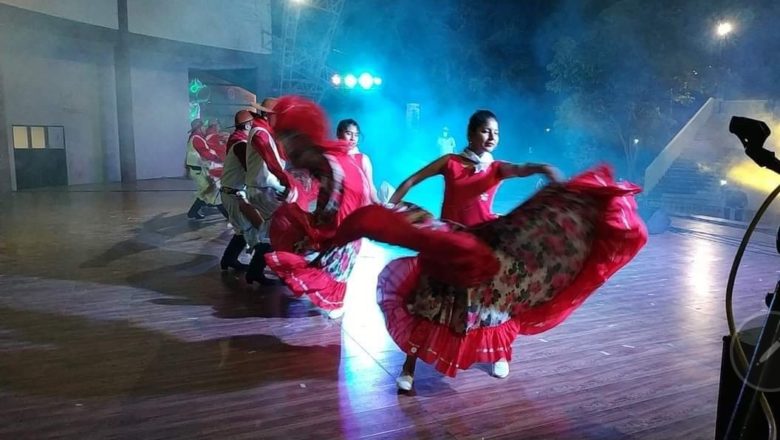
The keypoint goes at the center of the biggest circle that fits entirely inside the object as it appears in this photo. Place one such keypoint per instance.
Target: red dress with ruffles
(297, 239)
(471, 290)
(297, 235)
(468, 195)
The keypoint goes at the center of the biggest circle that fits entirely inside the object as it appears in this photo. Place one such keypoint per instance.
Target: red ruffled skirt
(453, 305)
(323, 280)
(300, 265)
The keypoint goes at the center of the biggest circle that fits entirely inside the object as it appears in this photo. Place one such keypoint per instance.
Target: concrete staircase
(686, 176)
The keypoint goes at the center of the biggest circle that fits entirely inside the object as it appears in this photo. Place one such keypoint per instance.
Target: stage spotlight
(366, 80)
(723, 29)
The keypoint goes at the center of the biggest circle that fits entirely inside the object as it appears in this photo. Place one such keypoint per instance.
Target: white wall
(97, 12)
(238, 24)
(50, 80)
(160, 115)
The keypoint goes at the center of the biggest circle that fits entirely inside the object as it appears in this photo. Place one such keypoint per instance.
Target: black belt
(229, 191)
(194, 168)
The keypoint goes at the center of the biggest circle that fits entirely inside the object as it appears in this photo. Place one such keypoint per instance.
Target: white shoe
(404, 382)
(501, 369)
(336, 313)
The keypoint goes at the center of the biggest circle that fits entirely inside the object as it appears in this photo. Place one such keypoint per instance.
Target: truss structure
(308, 28)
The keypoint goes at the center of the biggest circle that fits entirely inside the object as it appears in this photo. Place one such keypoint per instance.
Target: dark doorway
(39, 156)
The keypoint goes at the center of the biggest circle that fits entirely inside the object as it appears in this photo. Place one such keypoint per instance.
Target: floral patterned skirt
(541, 247)
(548, 256)
(323, 279)
(301, 258)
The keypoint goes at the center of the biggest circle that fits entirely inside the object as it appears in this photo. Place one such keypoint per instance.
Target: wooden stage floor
(115, 322)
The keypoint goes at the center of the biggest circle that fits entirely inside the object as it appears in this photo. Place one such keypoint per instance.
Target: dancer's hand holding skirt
(470, 292)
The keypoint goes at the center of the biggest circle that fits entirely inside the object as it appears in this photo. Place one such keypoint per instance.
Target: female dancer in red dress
(297, 235)
(475, 286)
(349, 130)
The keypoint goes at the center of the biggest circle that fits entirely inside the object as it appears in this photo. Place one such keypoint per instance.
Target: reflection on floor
(115, 322)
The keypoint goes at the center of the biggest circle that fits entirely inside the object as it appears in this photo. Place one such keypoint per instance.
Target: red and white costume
(477, 284)
(296, 234)
(204, 166)
(265, 176)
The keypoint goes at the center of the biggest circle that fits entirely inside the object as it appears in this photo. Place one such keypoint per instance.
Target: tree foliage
(637, 71)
